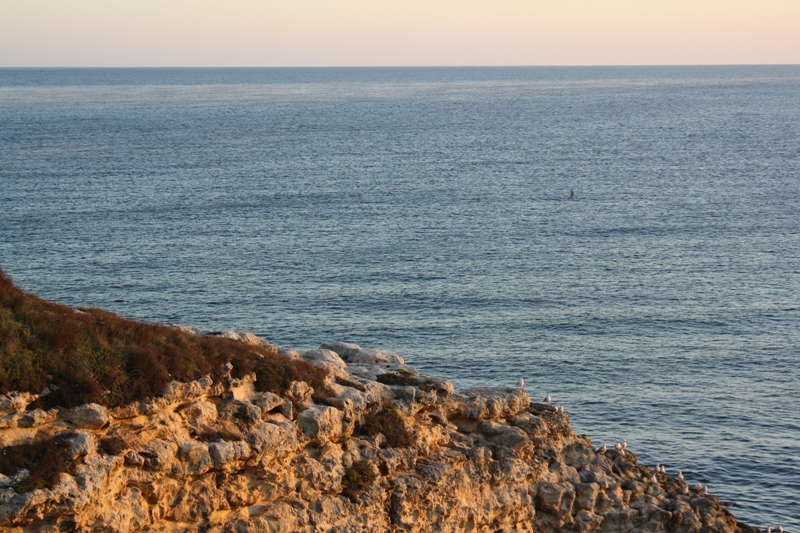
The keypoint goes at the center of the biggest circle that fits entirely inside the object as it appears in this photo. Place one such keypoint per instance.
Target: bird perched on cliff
(602, 449)
(624, 443)
(653, 479)
(685, 489)
(680, 476)
(548, 399)
(521, 382)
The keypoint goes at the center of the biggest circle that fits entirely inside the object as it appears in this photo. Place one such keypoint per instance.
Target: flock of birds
(620, 447)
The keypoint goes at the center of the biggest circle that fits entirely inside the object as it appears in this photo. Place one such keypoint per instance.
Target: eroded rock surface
(222, 457)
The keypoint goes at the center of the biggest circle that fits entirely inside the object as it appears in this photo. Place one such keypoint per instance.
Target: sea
(626, 239)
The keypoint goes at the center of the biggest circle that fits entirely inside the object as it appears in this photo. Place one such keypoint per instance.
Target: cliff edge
(385, 449)
(108, 424)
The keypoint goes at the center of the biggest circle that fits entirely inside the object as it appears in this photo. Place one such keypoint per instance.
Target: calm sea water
(427, 212)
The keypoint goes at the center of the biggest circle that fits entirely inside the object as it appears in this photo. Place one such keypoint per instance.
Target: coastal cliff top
(107, 424)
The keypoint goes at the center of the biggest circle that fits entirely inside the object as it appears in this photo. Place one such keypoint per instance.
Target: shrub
(358, 477)
(390, 423)
(278, 375)
(91, 355)
(45, 460)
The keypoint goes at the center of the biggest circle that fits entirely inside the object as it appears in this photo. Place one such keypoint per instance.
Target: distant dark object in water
(571, 194)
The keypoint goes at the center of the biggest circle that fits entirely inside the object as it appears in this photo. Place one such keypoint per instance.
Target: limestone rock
(81, 444)
(223, 453)
(299, 394)
(487, 403)
(320, 423)
(90, 416)
(324, 358)
(159, 454)
(208, 456)
(196, 457)
(36, 418)
(355, 354)
(16, 401)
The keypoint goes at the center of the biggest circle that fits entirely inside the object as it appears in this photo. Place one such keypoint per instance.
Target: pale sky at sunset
(40, 33)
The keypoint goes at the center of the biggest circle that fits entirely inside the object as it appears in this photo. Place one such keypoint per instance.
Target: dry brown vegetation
(390, 423)
(45, 460)
(91, 355)
(357, 478)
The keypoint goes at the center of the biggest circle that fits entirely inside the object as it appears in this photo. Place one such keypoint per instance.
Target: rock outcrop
(391, 450)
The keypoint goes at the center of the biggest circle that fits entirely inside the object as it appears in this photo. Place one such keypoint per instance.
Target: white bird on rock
(521, 382)
(653, 479)
(624, 443)
(685, 489)
(602, 449)
(548, 399)
(680, 476)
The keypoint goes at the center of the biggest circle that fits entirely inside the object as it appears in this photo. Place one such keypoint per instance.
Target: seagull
(548, 399)
(685, 489)
(521, 382)
(663, 469)
(624, 443)
(680, 476)
(622, 451)
(653, 479)
(602, 448)
(560, 409)
(618, 446)
(780, 529)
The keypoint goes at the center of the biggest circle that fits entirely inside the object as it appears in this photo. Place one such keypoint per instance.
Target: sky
(140, 33)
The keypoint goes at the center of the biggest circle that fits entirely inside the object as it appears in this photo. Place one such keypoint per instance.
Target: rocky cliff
(387, 450)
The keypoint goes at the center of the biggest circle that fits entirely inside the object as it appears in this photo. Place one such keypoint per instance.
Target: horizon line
(638, 65)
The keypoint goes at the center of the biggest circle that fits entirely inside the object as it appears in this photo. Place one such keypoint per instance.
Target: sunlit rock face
(389, 450)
